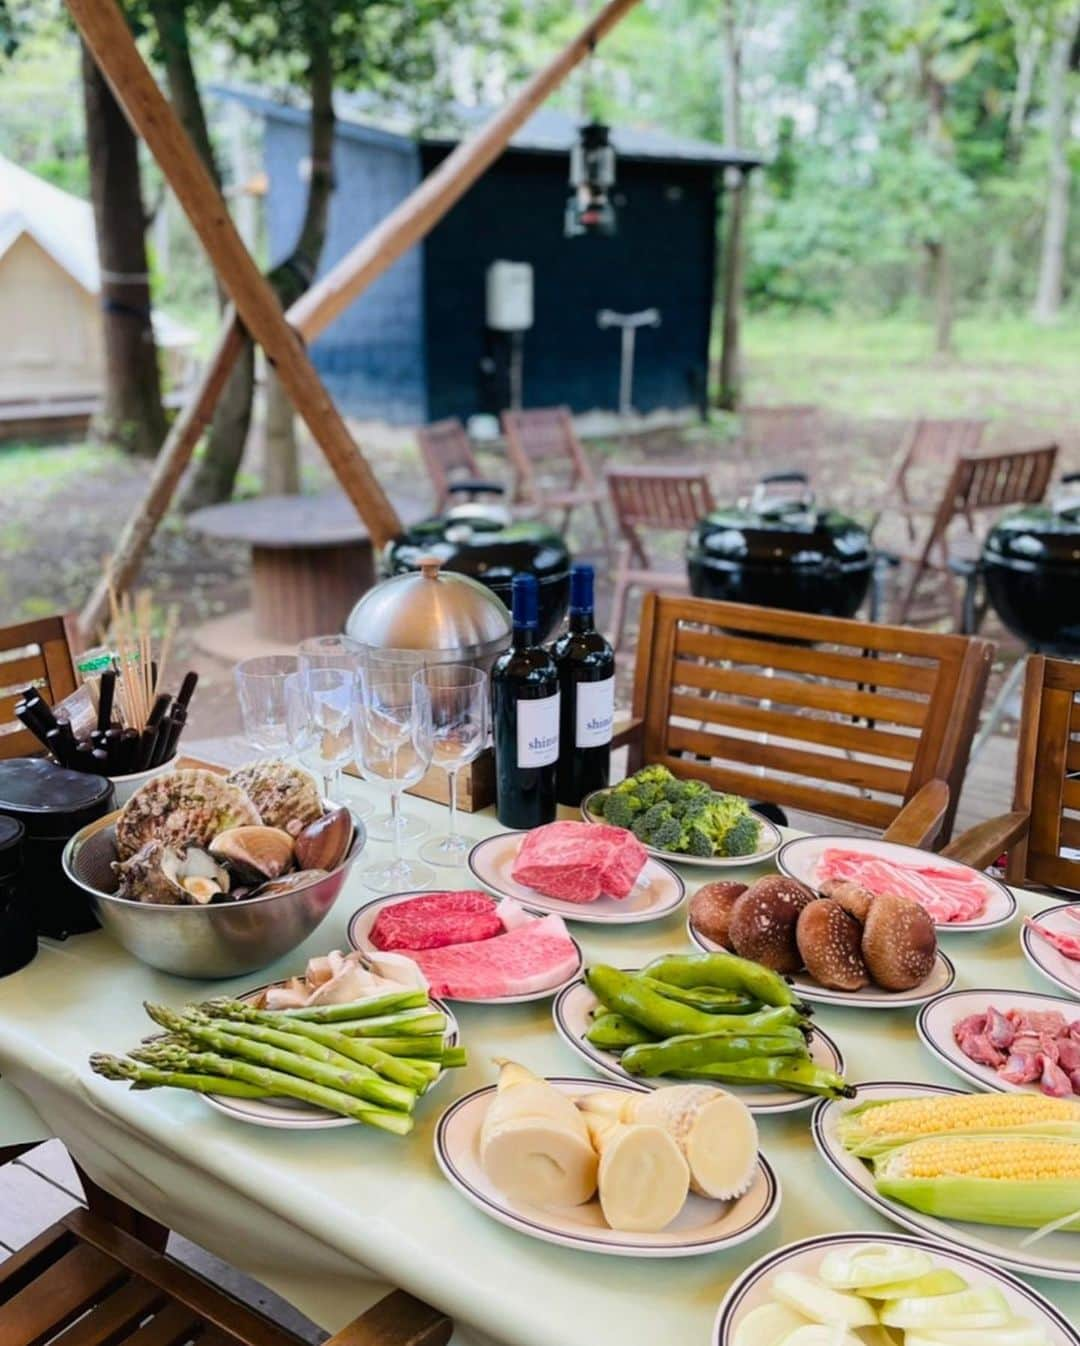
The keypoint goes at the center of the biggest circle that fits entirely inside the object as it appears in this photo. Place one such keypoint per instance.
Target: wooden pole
(408, 222)
(106, 33)
(169, 467)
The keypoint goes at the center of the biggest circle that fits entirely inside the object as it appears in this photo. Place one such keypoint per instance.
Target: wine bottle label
(538, 731)
(595, 713)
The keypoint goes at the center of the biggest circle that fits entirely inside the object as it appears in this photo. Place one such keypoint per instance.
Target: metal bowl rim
(99, 824)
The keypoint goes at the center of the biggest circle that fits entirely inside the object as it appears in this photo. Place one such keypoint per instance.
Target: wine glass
(451, 709)
(390, 754)
(329, 652)
(260, 688)
(318, 710)
(387, 827)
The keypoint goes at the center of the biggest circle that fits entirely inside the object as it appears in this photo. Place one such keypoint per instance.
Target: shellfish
(254, 854)
(171, 875)
(324, 843)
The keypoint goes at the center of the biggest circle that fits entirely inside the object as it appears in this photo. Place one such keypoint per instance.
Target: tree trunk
(735, 181)
(1051, 285)
(216, 472)
(941, 287)
(132, 417)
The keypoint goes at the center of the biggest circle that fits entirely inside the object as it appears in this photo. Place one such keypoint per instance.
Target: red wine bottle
(586, 667)
(525, 717)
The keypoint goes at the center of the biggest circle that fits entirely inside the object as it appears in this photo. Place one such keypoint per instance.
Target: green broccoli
(681, 793)
(697, 841)
(741, 838)
(646, 826)
(652, 775)
(667, 836)
(620, 806)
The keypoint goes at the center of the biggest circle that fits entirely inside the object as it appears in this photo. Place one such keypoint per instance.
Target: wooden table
(311, 558)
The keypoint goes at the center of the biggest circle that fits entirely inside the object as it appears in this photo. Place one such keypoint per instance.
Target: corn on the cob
(1021, 1181)
(873, 1127)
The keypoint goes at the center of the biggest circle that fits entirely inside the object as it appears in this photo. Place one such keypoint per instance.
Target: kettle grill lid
(430, 609)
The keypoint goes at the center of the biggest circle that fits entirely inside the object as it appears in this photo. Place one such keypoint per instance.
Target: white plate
(289, 1114)
(1062, 971)
(799, 859)
(936, 1019)
(703, 1226)
(942, 975)
(358, 933)
(752, 1289)
(1056, 1255)
(769, 839)
(572, 1010)
(658, 890)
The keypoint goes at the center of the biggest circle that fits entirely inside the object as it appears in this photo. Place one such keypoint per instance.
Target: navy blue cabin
(416, 346)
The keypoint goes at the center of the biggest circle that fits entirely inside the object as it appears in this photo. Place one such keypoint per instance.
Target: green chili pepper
(726, 972)
(803, 1076)
(703, 997)
(613, 1032)
(628, 995)
(680, 1054)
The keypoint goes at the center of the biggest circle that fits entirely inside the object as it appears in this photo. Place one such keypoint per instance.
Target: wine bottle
(525, 717)
(586, 667)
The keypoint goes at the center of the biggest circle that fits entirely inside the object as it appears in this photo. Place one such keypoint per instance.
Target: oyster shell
(288, 883)
(170, 876)
(254, 853)
(181, 808)
(324, 843)
(285, 796)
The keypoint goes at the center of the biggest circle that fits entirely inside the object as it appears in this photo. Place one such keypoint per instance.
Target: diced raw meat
(947, 894)
(999, 1029)
(1022, 1067)
(1068, 1054)
(579, 862)
(436, 920)
(533, 957)
(1024, 1047)
(1054, 1081)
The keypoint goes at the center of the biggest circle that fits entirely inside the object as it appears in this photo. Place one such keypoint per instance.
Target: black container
(52, 804)
(478, 543)
(781, 552)
(18, 938)
(1031, 568)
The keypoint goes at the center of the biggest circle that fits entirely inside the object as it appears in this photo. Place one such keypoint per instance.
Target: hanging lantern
(592, 176)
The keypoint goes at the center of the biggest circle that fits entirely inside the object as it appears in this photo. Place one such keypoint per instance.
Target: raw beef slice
(435, 920)
(534, 957)
(579, 862)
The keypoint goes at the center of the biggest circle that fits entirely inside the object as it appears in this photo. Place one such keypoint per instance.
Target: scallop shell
(181, 808)
(254, 853)
(324, 843)
(285, 796)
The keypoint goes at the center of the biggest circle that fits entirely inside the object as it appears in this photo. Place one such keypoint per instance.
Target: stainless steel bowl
(226, 939)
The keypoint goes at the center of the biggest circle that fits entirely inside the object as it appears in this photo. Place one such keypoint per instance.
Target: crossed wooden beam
(254, 309)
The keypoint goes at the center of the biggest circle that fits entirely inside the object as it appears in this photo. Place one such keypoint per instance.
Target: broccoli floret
(619, 808)
(646, 826)
(741, 838)
(697, 841)
(681, 793)
(652, 775)
(650, 793)
(668, 835)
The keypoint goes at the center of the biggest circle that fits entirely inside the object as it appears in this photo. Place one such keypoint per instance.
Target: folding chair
(928, 452)
(32, 654)
(541, 443)
(451, 463)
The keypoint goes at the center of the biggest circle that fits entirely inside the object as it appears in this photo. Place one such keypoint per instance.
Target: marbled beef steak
(579, 862)
(436, 920)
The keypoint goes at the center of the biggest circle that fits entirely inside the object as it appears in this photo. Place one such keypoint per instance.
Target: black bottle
(525, 718)
(586, 666)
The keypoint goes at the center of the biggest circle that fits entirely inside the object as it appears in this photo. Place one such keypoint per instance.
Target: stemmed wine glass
(260, 687)
(451, 713)
(329, 652)
(391, 754)
(387, 827)
(318, 710)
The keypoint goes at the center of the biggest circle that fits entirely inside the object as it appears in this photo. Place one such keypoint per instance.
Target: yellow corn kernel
(868, 1129)
(1007, 1158)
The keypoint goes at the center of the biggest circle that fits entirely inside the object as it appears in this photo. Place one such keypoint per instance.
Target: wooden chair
(927, 453)
(857, 722)
(451, 463)
(661, 499)
(33, 654)
(976, 485)
(550, 466)
(84, 1282)
(1045, 817)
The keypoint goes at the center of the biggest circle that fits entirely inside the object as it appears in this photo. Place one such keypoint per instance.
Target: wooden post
(417, 215)
(106, 33)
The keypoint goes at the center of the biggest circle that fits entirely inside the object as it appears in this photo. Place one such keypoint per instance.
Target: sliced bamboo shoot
(643, 1178)
(715, 1131)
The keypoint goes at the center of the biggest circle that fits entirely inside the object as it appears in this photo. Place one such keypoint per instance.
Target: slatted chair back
(85, 1282)
(664, 499)
(448, 455)
(545, 436)
(978, 485)
(32, 654)
(847, 720)
(930, 448)
(1048, 775)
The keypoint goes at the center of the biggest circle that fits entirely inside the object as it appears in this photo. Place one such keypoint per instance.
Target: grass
(1006, 369)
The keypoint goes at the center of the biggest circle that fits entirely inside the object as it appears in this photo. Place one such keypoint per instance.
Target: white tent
(49, 287)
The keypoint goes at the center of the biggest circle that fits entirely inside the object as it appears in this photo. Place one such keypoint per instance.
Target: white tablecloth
(327, 1219)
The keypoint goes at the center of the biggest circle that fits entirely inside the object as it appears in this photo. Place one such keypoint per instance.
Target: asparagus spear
(360, 1085)
(359, 1009)
(274, 1037)
(429, 1047)
(149, 1077)
(454, 1056)
(275, 1082)
(408, 1022)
